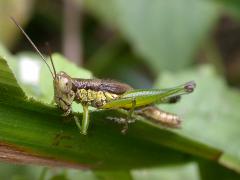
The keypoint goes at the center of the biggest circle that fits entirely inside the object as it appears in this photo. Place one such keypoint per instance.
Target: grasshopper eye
(65, 84)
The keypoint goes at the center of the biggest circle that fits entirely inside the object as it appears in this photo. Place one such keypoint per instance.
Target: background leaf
(209, 115)
(163, 26)
(183, 171)
(12, 8)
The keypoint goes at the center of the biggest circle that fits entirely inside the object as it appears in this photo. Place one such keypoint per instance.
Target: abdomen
(159, 116)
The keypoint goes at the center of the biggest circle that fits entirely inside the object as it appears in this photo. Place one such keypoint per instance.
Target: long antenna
(33, 45)
(50, 55)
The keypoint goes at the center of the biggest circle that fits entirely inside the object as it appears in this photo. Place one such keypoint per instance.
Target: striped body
(159, 116)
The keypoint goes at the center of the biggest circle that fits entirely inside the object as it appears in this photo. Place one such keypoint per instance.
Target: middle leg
(129, 117)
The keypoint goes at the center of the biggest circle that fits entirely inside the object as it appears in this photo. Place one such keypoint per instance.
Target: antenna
(33, 45)
(50, 55)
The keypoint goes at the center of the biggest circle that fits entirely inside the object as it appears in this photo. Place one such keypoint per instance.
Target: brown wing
(101, 85)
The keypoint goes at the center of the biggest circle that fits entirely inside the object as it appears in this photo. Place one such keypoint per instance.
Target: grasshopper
(109, 94)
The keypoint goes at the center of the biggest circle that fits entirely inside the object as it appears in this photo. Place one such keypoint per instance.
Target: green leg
(125, 128)
(85, 120)
(132, 109)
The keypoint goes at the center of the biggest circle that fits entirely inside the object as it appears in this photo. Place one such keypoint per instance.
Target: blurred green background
(144, 43)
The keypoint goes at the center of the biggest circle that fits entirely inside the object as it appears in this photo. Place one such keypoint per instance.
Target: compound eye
(65, 85)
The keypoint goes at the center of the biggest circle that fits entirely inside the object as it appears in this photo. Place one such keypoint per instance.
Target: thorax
(94, 98)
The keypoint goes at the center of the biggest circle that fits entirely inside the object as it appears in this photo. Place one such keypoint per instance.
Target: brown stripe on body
(158, 116)
(110, 86)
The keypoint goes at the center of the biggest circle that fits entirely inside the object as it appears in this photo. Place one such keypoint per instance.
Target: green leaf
(176, 172)
(166, 33)
(35, 130)
(13, 171)
(210, 114)
(25, 172)
(209, 170)
(117, 175)
(231, 6)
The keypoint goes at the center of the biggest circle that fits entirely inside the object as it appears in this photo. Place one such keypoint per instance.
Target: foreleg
(85, 120)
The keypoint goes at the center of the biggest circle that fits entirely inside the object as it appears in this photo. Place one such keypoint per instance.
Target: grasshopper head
(63, 82)
(63, 94)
